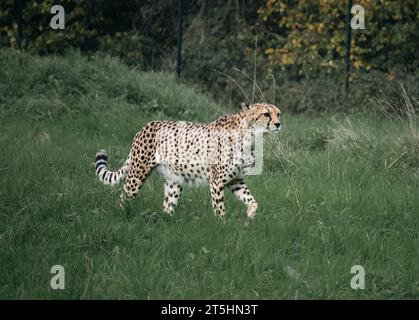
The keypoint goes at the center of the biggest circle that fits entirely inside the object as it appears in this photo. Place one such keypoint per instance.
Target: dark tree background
(292, 41)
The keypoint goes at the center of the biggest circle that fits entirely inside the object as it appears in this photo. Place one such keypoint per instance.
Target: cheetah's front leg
(240, 190)
(217, 195)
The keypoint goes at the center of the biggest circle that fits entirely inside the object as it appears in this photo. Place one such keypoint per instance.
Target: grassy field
(335, 192)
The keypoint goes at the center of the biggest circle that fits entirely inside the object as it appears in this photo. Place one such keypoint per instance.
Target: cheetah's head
(262, 116)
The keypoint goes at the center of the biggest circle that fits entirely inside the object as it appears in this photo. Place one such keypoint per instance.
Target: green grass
(334, 193)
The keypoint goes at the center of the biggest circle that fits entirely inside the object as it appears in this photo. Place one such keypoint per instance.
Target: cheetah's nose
(278, 124)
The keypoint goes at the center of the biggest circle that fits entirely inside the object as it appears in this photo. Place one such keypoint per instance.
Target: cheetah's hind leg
(217, 197)
(172, 192)
(136, 178)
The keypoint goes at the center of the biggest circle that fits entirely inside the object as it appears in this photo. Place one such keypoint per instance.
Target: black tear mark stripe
(263, 114)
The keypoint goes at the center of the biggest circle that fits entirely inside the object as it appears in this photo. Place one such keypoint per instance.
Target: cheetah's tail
(106, 176)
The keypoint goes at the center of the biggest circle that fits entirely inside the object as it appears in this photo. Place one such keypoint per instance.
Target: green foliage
(72, 85)
(374, 91)
(216, 42)
(308, 37)
(136, 31)
(300, 43)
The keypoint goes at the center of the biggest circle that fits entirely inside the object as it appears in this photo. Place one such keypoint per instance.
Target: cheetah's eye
(266, 114)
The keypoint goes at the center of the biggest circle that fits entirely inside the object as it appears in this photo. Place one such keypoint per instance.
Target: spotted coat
(194, 153)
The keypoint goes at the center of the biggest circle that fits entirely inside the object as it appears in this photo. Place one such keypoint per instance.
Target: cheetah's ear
(245, 105)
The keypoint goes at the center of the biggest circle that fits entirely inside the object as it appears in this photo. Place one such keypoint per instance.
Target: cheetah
(219, 154)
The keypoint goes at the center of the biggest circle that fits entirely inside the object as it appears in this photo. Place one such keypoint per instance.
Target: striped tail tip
(101, 163)
(102, 155)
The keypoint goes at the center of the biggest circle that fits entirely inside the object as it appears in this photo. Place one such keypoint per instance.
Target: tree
(307, 37)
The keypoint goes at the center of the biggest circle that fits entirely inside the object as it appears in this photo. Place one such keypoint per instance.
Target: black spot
(236, 189)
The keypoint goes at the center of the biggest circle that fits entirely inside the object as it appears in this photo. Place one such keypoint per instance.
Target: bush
(370, 92)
